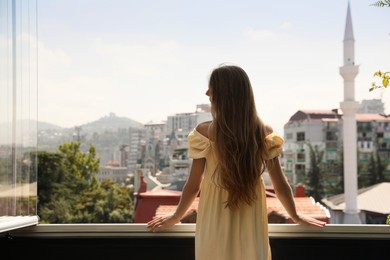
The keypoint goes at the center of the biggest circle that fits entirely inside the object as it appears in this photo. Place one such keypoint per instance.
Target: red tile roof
(372, 117)
(189, 216)
(304, 205)
(147, 203)
(163, 202)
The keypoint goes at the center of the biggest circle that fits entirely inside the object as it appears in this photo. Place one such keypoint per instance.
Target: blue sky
(149, 59)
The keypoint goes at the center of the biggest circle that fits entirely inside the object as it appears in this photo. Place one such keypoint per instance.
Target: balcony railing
(134, 241)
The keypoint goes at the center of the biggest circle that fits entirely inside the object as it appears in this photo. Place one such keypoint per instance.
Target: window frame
(30, 224)
(19, 88)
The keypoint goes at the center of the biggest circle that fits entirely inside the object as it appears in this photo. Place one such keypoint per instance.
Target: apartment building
(322, 129)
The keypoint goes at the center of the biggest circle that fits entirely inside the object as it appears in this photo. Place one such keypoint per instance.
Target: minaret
(349, 107)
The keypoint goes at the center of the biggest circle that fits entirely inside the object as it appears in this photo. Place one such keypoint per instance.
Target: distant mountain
(105, 123)
(110, 123)
(30, 124)
(25, 130)
(46, 126)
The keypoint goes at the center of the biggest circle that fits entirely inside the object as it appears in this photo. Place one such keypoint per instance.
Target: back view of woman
(230, 153)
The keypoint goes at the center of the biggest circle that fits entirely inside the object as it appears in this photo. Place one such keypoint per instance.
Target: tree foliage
(376, 169)
(382, 3)
(314, 178)
(68, 191)
(385, 79)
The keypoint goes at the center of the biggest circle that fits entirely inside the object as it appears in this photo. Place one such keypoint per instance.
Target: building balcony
(134, 241)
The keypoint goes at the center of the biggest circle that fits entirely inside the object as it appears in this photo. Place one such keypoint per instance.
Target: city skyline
(147, 61)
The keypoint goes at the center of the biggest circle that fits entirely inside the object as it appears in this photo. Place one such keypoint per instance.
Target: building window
(301, 136)
(300, 172)
(331, 136)
(301, 157)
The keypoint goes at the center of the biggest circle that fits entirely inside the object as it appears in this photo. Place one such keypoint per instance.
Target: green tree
(70, 192)
(380, 169)
(57, 211)
(51, 173)
(105, 203)
(372, 169)
(83, 166)
(372, 172)
(376, 169)
(314, 176)
(382, 3)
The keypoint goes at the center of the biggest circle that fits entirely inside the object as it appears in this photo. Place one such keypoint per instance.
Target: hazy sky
(147, 60)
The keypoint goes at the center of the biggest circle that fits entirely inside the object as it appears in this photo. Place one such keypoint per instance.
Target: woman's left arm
(284, 193)
(190, 192)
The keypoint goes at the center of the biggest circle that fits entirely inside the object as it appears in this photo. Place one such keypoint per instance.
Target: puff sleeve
(198, 144)
(274, 146)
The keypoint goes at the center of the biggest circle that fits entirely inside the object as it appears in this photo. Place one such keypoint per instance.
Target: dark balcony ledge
(188, 230)
(134, 241)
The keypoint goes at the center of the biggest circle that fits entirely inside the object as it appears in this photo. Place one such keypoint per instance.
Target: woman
(230, 153)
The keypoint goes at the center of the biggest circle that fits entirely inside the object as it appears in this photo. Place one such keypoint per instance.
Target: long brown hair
(239, 134)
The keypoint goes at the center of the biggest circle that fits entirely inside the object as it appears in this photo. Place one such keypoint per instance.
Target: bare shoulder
(268, 129)
(203, 128)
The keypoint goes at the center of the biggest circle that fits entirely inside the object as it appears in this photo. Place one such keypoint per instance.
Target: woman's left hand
(309, 221)
(158, 223)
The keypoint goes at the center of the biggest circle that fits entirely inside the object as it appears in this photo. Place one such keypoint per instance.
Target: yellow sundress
(223, 234)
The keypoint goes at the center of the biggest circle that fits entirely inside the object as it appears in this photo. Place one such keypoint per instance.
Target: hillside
(51, 133)
(110, 123)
